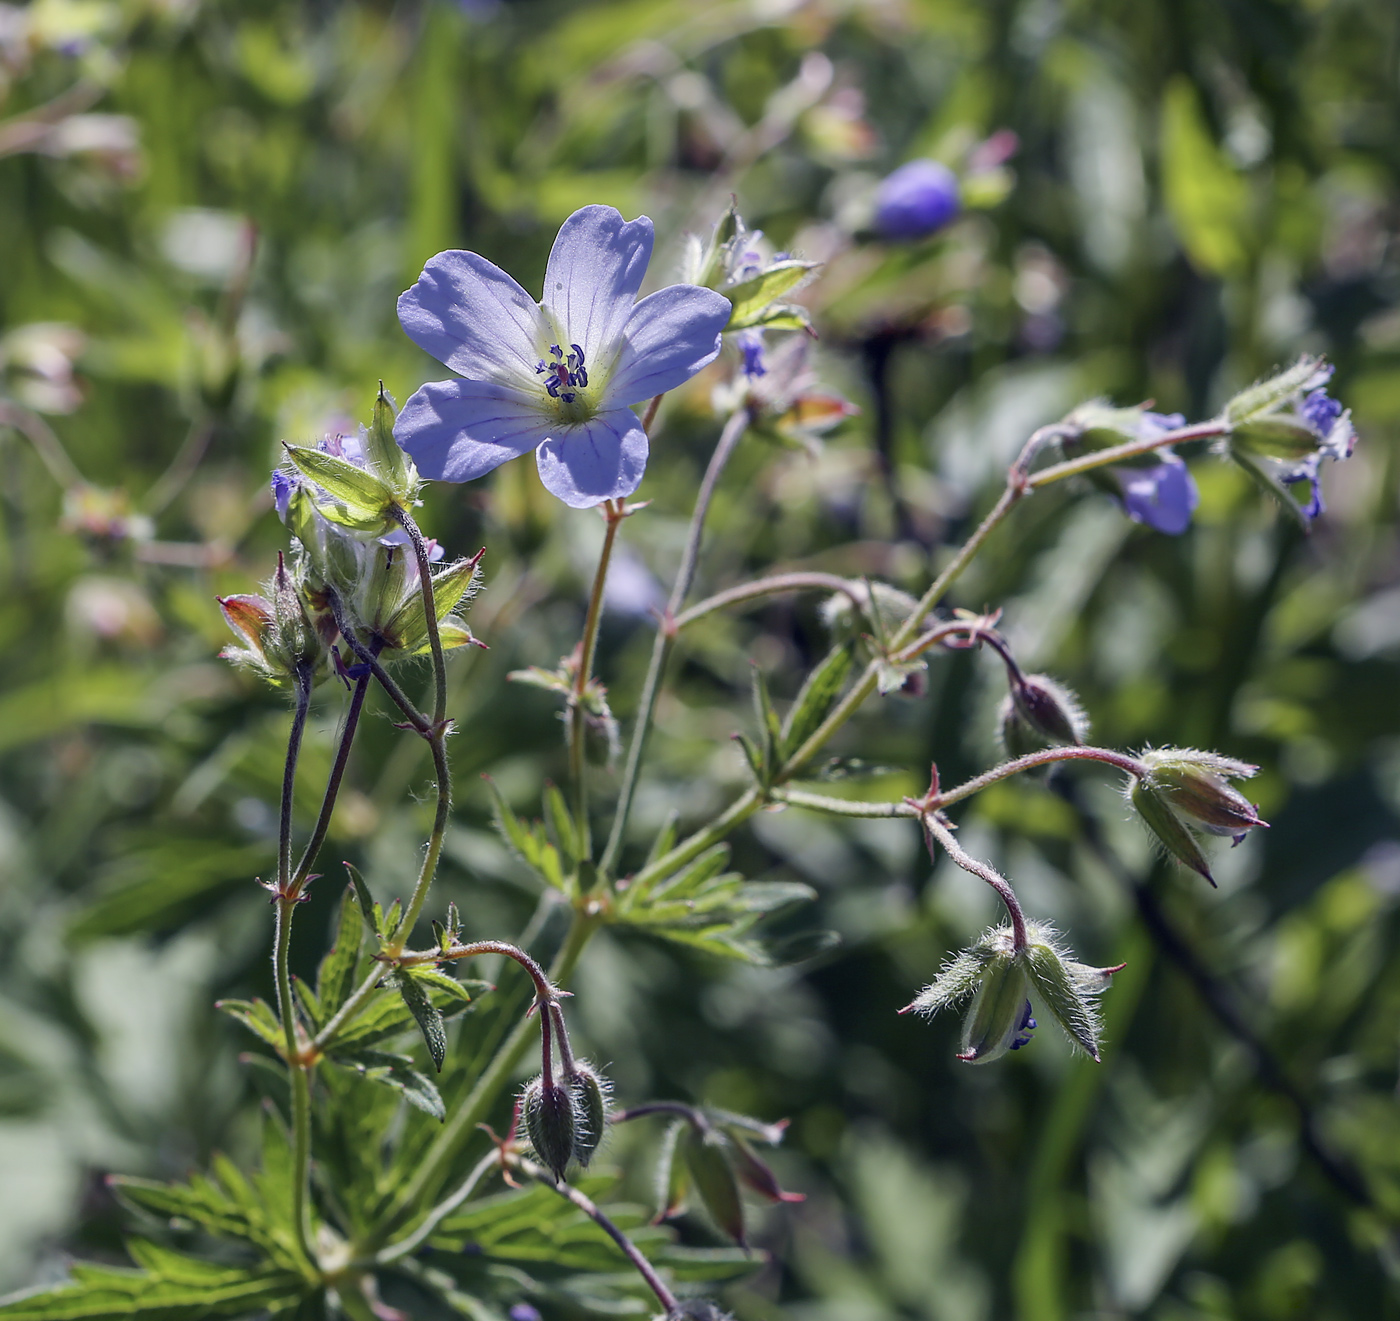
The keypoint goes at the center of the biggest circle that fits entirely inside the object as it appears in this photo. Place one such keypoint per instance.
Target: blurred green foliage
(204, 263)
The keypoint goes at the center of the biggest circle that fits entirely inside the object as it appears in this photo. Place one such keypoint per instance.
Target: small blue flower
(917, 200)
(560, 376)
(1024, 1029)
(1336, 439)
(283, 484)
(750, 344)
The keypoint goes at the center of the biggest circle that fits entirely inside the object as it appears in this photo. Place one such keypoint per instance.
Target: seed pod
(551, 1124)
(590, 1093)
(707, 1154)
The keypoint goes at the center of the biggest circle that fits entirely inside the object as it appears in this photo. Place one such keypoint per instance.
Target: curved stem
(440, 1212)
(1029, 762)
(734, 428)
(430, 619)
(342, 759)
(474, 1109)
(1100, 458)
(935, 829)
(585, 1204)
(679, 1108)
(578, 716)
(760, 587)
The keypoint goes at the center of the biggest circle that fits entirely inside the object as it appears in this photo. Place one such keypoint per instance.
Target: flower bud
(551, 1123)
(917, 200)
(1048, 709)
(698, 1309)
(1000, 1011)
(278, 636)
(756, 1174)
(1185, 788)
(590, 1091)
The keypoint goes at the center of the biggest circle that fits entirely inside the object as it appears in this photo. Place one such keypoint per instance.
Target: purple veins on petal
(1164, 496)
(670, 336)
(594, 274)
(456, 431)
(593, 461)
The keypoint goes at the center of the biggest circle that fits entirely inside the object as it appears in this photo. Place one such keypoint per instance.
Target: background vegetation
(206, 262)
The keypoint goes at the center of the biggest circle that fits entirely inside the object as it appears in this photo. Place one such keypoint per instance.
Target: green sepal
(751, 297)
(672, 1173)
(356, 498)
(956, 980)
(707, 1155)
(994, 1019)
(383, 453)
(1169, 829)
(780, 316)
(1267, 395)
(1064, 995)
(1271, 485)
(409, 626)
(1275, 438)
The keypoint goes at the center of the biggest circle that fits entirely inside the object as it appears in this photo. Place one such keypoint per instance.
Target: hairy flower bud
(1049, 709)
(590, 1091)
(1002, 979)
(1185, 788)
(551, 1123)
(279, 639)
(917, 200)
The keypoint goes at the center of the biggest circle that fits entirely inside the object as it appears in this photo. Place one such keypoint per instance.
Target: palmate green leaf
(817, 696)
(536, 1228)
(158, 885)
(395, 1071)
(103, 1293)
(201, 1202)
(339, 969)
(257, 1017)
(529, 843)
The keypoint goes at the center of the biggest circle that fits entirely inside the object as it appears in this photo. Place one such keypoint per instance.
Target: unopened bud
(756, 1174)
(590, 1091)
(1000, 1011)
(1194, 784)
(551, 1123)
(1173, 836)
(1048, 708)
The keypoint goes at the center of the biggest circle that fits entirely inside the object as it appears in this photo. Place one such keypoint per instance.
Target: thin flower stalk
(729, 438)
(934, 829)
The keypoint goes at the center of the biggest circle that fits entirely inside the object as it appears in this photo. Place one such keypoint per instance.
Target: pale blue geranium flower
(559, 376)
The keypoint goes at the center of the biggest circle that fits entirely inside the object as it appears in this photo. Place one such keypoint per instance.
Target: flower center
(565, 375)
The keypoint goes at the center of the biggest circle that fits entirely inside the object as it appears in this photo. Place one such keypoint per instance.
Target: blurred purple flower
(1163, 496)
(750, 344)
(558, 376)
(917, 200)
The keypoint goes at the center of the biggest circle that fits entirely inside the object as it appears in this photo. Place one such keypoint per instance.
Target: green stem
(578, 715)
(585, 1204)
(842, 806)
(1100, 458)
(935, 829)
(739, 811)
(286, 902)
(342, 759)
(301, 1088)
(729, 438)
(440, 1212)
(760, 587)
(430, 619)
(433, 1169)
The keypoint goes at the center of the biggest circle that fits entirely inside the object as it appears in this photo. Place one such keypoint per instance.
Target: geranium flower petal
(670, 336)
(595, 271)
(457, 430)
(1164, 497)
(471, 316)
(597, 460)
